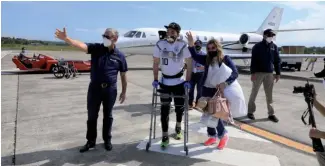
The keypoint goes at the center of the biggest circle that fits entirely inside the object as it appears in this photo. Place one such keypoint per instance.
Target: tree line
(21, 41)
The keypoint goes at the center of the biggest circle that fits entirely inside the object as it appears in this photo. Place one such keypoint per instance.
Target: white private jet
(141, 41)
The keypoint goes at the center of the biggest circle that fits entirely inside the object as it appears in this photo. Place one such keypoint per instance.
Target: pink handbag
(219, 107)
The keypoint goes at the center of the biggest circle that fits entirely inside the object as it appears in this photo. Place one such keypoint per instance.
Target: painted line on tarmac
(5, 53)
(275, 137)
(268, 135)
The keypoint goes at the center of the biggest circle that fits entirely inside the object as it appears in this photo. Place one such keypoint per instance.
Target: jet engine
(249, 38)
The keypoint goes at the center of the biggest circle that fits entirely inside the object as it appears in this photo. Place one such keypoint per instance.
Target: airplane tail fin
(272, 21)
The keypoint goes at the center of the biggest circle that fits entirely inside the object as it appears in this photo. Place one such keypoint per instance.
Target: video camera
(309, 92)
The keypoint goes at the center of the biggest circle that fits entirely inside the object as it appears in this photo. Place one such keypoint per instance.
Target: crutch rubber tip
(186, 150)
(147, 146)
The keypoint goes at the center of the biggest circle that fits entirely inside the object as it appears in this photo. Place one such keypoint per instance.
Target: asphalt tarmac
(44, 123)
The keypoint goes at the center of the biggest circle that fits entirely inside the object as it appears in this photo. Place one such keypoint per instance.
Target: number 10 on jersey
(164, 61)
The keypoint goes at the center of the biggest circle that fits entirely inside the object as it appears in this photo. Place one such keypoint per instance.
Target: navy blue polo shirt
(105, 64)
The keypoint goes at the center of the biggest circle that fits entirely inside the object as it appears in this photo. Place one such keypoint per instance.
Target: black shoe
(251, 116)
(273, 118)
(178, 132)
(108, 146)
(88, 146)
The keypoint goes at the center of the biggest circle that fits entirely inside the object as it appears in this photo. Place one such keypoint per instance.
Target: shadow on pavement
(137, 109)
(121, 153)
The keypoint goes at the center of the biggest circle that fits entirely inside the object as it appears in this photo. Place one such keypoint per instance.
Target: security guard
(171, 53)
(265, 59)
(197, 75)
(106, 62)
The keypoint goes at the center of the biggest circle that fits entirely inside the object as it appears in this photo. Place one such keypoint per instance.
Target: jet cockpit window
(130, 34)
(138, 35)
(144, 35)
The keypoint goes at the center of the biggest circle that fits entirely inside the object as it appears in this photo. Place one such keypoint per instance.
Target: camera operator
(315, 133)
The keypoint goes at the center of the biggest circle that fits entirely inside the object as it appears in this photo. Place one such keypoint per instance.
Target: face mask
(269, 39)
(171, 39)
(106, 42)
(198, 48)
(213, 54)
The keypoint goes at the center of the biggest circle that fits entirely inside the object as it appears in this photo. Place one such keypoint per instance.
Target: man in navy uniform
(106, 62)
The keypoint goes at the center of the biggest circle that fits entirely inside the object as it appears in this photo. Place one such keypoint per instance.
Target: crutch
(186, 98)
(153, 117)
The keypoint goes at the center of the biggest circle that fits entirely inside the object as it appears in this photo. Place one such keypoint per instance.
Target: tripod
(317, 142)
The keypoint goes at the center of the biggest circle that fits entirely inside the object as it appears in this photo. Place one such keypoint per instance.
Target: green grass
(41, 47)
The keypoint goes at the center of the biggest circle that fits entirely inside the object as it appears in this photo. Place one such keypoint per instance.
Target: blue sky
(86, 20)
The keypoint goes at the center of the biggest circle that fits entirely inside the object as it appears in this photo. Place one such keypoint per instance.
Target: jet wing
(248, 56)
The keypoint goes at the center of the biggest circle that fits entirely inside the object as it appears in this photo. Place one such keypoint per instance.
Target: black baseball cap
(198, 42)
(174, 26)
(269, 32)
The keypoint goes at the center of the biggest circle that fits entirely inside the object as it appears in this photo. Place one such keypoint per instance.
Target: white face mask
(106, 42)
(171, 39)
(269, 39)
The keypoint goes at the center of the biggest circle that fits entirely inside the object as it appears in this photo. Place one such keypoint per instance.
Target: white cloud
(192, 10)
(314, 19)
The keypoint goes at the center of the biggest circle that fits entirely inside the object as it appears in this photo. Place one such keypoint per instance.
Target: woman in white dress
(220, 72)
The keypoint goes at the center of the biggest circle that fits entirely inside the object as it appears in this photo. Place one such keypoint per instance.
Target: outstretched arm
(78, 44)
(198, 58)
(62, 35)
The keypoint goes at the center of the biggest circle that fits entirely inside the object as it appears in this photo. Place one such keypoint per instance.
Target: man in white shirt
(170, 54)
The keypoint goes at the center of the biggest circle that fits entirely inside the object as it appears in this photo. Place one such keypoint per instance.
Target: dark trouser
(196, 79)
(97, 95)
(220, 129)
(177, 90)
